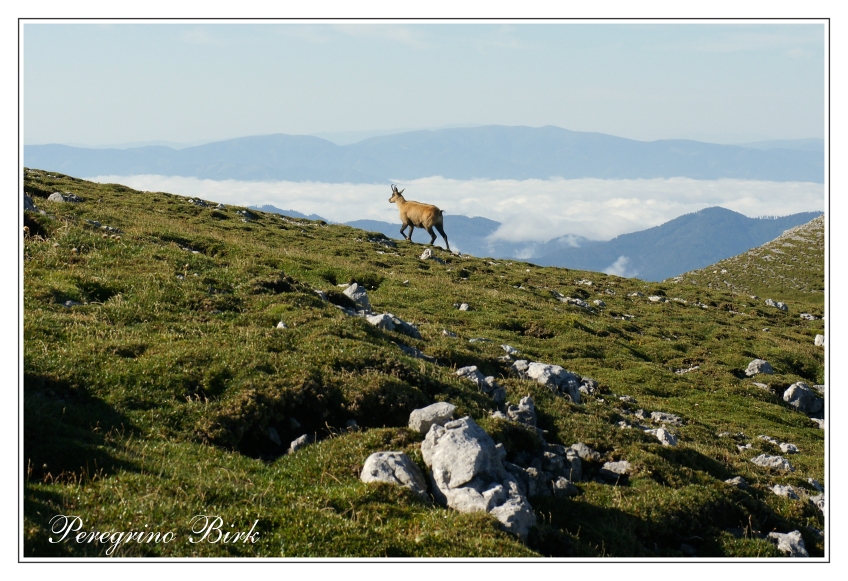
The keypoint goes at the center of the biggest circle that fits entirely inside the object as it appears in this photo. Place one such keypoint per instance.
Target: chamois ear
(400, 192)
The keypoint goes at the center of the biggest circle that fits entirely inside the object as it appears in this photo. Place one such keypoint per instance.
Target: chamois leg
(411, 230)
(432, 235)
(441, 230)
(402, 233)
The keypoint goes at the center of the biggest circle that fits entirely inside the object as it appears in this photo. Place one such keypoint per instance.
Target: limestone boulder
(758, 366)
(773, 462)
(790, 544)
(467, 474)
(359, 295)
(394, 468)
(556, 378)
(802, 398)
(440, 413)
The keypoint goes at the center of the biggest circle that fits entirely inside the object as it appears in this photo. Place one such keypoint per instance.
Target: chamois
(414, 214)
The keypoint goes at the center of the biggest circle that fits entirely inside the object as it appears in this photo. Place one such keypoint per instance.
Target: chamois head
(395, 194)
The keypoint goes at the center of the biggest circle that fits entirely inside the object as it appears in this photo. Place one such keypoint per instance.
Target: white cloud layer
(529, 210)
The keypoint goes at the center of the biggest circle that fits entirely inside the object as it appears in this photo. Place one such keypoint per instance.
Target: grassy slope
(150, 402)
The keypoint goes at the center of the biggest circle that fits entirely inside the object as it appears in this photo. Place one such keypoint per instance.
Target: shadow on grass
(66, 432)
(580, 529)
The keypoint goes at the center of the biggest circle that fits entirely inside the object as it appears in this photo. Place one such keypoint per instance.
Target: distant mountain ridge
(487, 152)
(686, 243)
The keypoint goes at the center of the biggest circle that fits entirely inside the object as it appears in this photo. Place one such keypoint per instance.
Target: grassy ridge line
(152, 399)
(791, 264)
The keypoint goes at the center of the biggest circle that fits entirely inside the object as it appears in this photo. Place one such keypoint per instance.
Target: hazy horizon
(130, 82)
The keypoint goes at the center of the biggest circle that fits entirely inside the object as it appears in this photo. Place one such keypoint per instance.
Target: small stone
(586, 453)
(394, 468)
(472, 374)
(299, 443)
(790, 544)
(788, 448)
(322, 295)
(815, 484)
(773, 462)
(664, 418)
(666, 437)
(358, 295)
(446, 333)
(738, 482)
(778, 305)
(464, 307)
(281, 325)
(564, 488)
(510, 350)
(599, 303)
(819, 340)
(786, 491)
(616, 471)
(808, 317)
(758, 366)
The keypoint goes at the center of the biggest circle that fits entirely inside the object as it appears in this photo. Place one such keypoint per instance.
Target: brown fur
(416, 214)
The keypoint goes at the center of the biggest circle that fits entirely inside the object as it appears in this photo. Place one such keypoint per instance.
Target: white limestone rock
(758, 366)
(359, 295)
(394, 468)
(790, 544)
(440, 413)
(802, 398)
(666, 437)
(556, 378)
(773, 462)
(468, 475)
(787, 491)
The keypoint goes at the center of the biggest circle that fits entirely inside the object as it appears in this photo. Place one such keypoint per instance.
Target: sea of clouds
(529, 210)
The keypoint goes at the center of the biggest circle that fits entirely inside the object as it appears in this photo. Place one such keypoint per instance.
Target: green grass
(150, 401)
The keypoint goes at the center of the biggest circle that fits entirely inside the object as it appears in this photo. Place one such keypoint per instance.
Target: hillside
(159, 385)
(791, 264)
(685, 243)
(490, 152)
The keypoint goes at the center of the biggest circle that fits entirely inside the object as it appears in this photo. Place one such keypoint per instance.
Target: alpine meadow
(209, 380)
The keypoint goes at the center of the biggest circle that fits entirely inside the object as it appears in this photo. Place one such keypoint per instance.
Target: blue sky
(115, 83)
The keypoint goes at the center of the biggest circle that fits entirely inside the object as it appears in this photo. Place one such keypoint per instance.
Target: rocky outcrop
(394, 468)
(468, 475)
